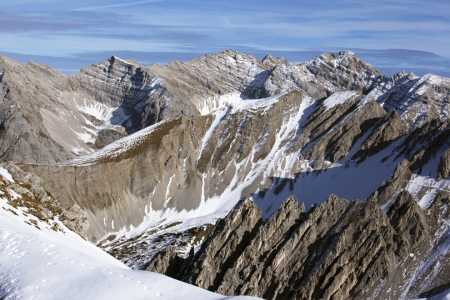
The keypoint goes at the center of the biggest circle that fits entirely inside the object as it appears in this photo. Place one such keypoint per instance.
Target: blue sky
(67, 35)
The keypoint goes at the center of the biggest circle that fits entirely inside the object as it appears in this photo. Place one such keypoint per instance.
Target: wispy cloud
(115, 5)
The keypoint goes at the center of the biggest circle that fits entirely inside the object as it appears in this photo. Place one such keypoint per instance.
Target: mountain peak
(132, 62)
(346, 53)
(272, 61)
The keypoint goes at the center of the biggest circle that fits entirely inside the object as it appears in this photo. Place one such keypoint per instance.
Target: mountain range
(317, 180)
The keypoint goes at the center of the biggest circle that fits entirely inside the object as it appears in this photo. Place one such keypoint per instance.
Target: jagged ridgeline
(159, 156)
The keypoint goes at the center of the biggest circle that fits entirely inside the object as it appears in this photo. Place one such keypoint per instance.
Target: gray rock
(396, 183)
(75, 219)
(293, 254)
(109, 135)
(390, 128)
(444, 166)
(36, 97)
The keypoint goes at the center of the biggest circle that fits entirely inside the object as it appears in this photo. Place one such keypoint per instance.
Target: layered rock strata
(339, 250)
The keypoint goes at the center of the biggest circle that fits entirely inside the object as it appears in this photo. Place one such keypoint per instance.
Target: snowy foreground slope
(37, 262)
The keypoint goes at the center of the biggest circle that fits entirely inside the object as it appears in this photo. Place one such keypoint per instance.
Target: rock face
(76, 219)
(49, 117)
(444, 165)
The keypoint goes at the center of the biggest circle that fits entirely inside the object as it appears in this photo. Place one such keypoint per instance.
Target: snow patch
(236, 101)
(5, 174)
(116, 148)
(338, 99)
(425, 189)
(443, 296)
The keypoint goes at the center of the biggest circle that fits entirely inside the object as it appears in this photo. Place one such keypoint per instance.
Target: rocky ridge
(49, 117)
(194, 163)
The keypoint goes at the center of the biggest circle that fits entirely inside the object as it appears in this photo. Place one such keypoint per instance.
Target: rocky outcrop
(410, 223)
(337, 143)
(444, 166)
(138, 92)
(108, 135)
(76, 219)
(389, 130)
(168, 263)
(417, 100)
(423, 145)
(394, 184)
(23, 136)
(24, 190)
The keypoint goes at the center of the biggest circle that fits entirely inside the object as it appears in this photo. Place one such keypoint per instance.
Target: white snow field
(45, 264)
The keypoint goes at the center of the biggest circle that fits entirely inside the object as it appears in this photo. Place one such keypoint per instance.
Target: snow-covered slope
(417, 100)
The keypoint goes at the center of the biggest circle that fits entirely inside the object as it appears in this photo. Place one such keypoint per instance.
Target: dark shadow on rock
(255, 89)
(435, 291)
